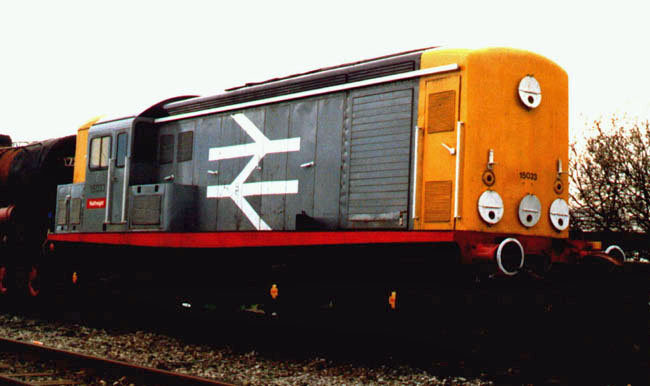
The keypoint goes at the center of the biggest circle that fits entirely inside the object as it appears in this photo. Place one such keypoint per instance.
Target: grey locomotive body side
(338, 160)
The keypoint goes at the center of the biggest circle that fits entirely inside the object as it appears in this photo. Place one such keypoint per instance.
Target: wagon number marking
(528, 176)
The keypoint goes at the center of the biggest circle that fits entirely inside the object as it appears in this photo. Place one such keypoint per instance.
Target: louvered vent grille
(442, 110)
(437, 201)
(308, 83)
(75, 211)
(380, 151)
(396, 68)
(185, 146)
(62, 215)
(146, 210)
(166, 149)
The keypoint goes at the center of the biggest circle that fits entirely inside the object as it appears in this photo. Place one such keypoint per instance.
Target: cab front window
(100, 150)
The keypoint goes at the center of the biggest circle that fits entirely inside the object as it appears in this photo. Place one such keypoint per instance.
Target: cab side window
(100, 150)
(121, 150)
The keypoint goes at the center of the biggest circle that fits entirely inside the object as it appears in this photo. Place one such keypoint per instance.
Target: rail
(144, 375)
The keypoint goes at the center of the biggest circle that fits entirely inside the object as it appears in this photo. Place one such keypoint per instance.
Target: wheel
(33, 282)
(3, 280)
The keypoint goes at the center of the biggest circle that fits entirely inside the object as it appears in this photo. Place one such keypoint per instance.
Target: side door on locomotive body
(105, 186)
(440, 143)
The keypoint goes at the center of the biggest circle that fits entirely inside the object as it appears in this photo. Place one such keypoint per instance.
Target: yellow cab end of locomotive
(525, 148)
(79, 174)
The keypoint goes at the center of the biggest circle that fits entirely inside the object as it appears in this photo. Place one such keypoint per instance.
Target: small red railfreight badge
(96, 203)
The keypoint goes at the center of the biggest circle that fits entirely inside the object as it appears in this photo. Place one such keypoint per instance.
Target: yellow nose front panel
(521, 147)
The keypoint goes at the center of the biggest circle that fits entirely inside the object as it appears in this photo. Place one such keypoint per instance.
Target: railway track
(69, 368)
(532, 335)
(517, 345)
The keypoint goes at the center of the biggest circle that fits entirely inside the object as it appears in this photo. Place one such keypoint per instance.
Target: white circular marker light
(490, 207)
(530, 92)
(559, 214)
(530, 210)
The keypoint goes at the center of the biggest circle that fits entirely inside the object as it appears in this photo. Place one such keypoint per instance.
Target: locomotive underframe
(308, 267)
(318, 281)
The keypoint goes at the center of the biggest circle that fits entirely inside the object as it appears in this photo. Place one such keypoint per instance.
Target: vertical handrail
(109, 187)
(416, 133)
(125, 186)
(459, 126)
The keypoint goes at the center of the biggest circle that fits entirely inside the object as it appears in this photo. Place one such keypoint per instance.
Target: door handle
(451, 150)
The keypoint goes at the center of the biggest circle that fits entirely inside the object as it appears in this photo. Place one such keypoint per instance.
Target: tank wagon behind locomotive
(430, 147)
(29, 176)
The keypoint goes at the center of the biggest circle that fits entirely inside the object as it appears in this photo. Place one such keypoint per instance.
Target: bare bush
(610, 184)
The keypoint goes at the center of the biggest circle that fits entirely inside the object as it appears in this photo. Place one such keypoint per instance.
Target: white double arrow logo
(238, 190)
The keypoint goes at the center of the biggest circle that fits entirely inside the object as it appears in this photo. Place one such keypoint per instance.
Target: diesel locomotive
(388, 171)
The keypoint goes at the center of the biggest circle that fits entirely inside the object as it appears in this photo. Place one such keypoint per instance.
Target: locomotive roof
(320, 70)
(154, 111)
(310, 80)
(315, 79)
